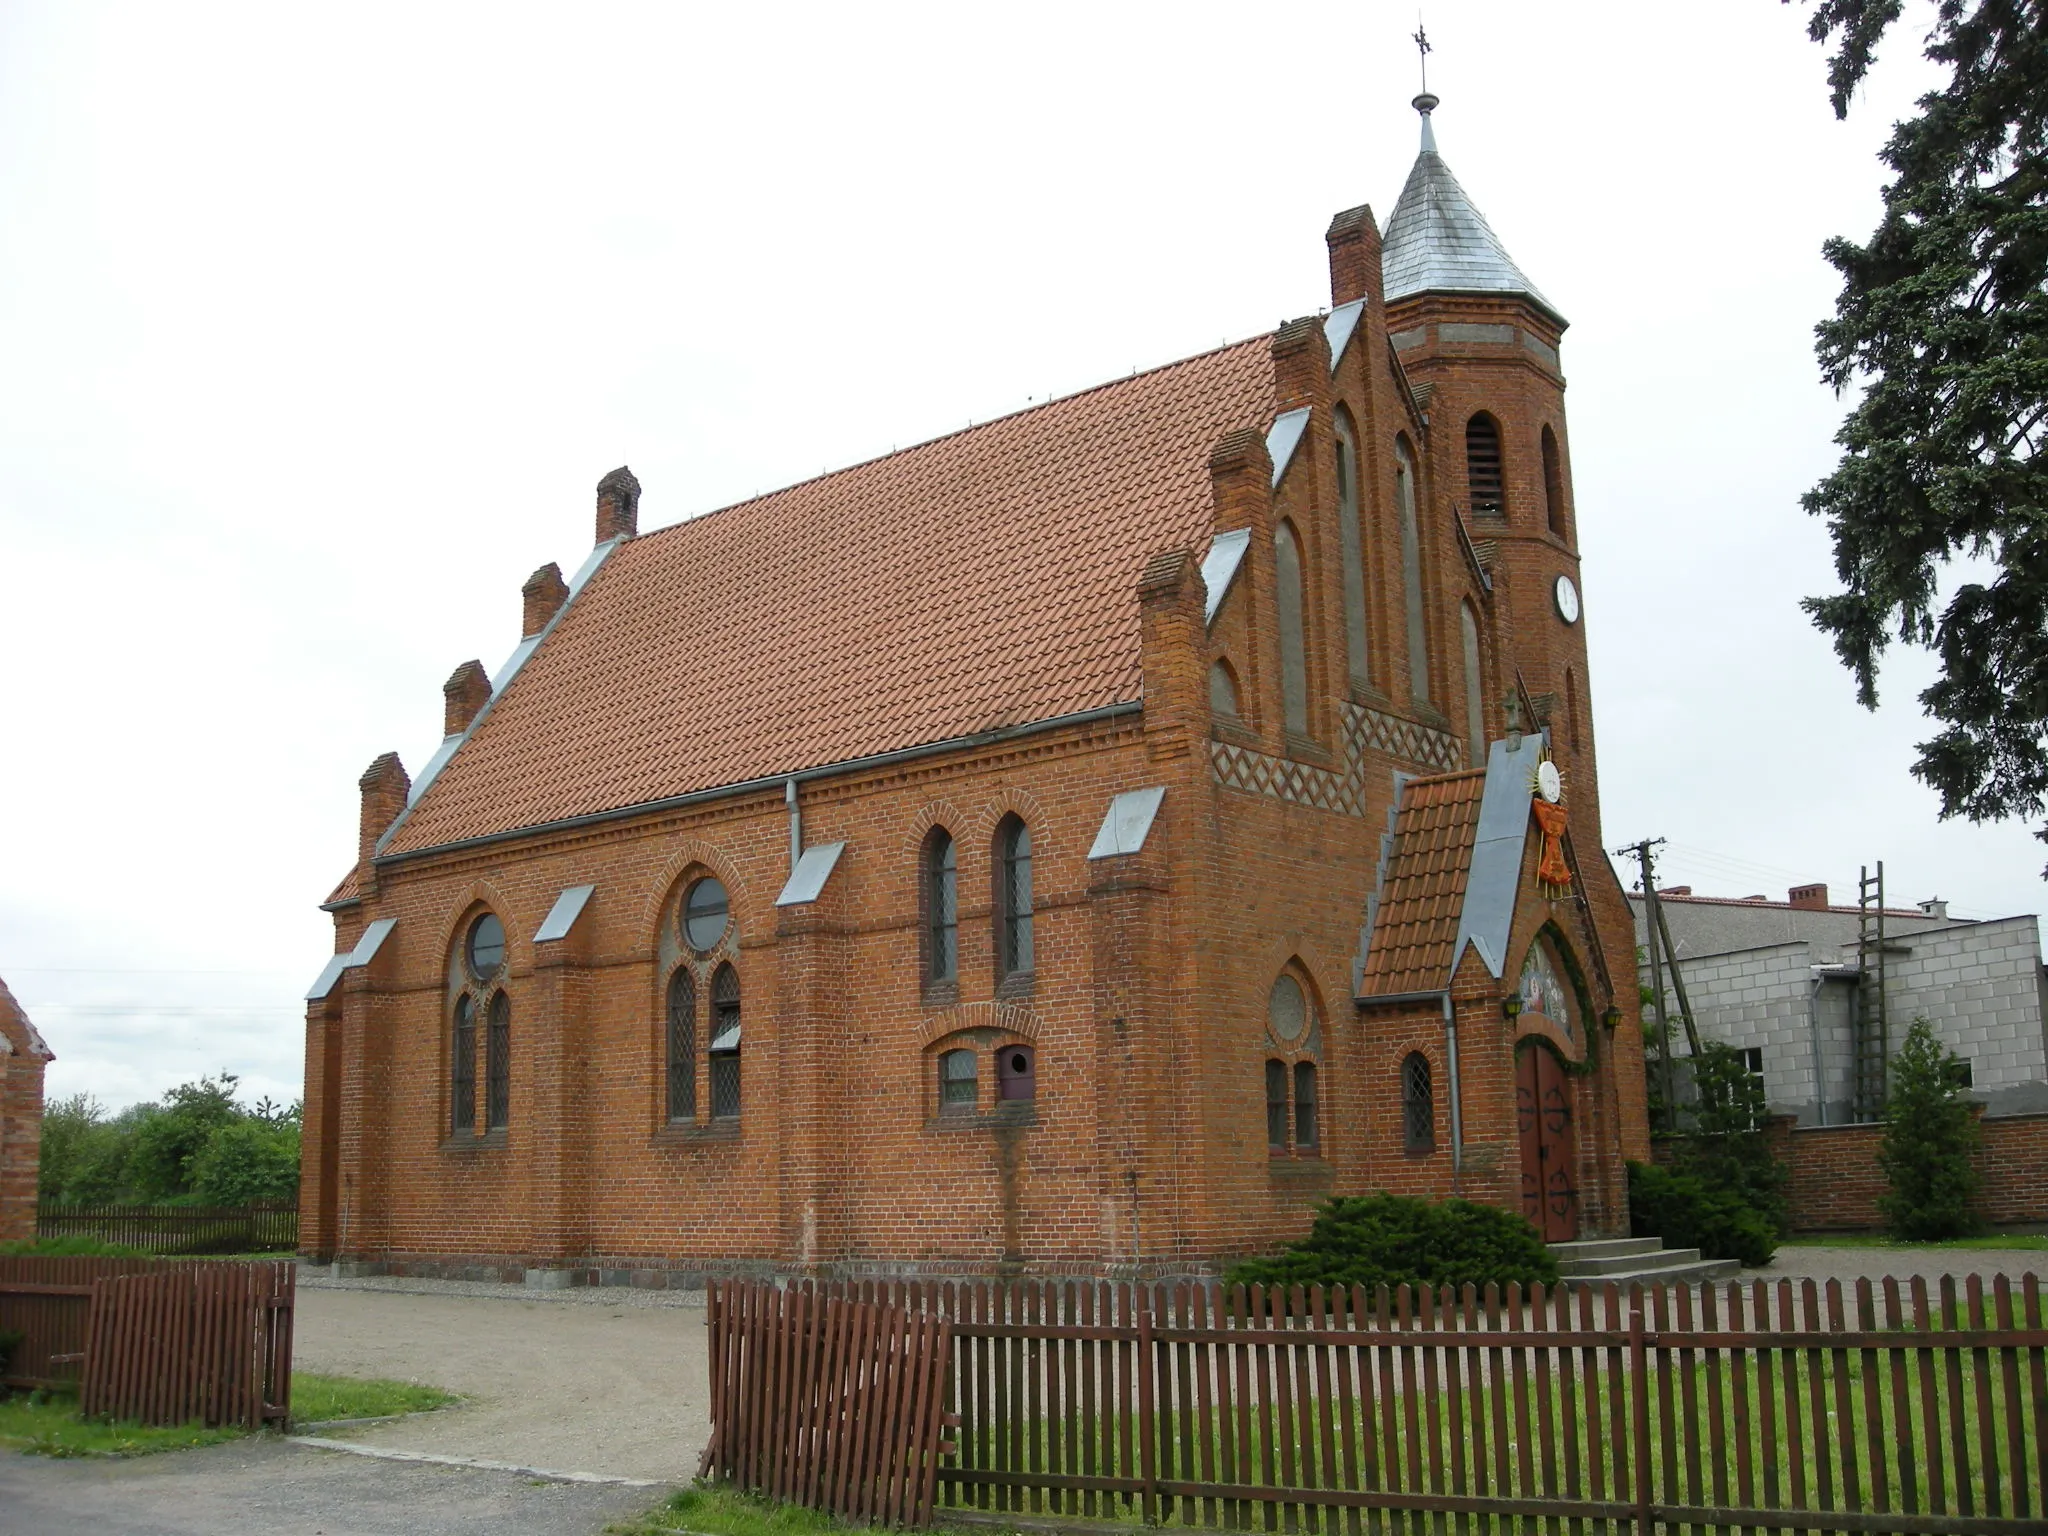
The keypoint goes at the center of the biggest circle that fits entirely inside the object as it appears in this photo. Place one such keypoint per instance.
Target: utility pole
(1651, 922)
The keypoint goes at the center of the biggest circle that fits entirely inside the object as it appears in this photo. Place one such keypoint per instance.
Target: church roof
(981, 581)
(1438, 242)
(16, 1032)
(1422, 888)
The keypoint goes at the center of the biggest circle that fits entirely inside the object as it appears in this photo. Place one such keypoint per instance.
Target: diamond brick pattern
(1365, 730)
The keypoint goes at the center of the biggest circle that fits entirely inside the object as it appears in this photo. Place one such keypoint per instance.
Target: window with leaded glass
(941, 906)
(959, 1083)
(462, 1073)
(498, 1064)
(1013, 897)
(725, 1044)
(1305, 1106)
(682, 1046)
(1276, 1105)
(1418, 1105)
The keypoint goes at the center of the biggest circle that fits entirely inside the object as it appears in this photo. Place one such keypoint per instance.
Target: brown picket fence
(1761, 1406)
(829, 1401)
(211, 1342)
(177, 1229)
(48, 1301)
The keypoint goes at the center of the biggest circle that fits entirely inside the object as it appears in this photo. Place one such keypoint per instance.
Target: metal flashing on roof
(813, 868)
(1283, 439)
(1128, 822)
(563, 914)
(365, 951)
(1338, 328)
(1220, 567)
(499, 682)
(1487, 919)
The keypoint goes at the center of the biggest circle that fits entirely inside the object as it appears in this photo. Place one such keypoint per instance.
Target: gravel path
(1850, 1264)
(267, 1487)
(603, 1381)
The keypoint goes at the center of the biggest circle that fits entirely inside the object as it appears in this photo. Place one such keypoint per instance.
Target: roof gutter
(773, 781)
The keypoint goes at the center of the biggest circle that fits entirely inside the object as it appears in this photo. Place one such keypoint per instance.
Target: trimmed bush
(1397, 1240)
(71, 1248)
(1930, 1142)
(1687, 1212)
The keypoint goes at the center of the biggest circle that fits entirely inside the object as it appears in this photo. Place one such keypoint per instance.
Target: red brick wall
(21, 1123)
(1836, 1179)
(1146, 1146)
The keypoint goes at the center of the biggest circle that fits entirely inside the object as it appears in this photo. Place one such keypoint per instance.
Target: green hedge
(1686, 1212)
(1397, 1240)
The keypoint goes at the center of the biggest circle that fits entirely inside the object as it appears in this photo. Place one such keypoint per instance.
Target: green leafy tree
(84, 1153)
(248, 1162)
(1941, 318)
(1930, 1142)
(171, 1135)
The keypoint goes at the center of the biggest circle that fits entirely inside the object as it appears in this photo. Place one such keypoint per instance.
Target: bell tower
(1479, 344)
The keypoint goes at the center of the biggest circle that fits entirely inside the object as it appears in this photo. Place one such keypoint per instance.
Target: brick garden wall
(1836, 1179)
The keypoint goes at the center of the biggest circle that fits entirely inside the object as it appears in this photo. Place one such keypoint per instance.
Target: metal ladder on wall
(1872, 1044)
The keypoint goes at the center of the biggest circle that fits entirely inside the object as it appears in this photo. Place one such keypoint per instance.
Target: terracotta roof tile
(984, 579)
(1422, 894)
(349, 890)
(17, 1031)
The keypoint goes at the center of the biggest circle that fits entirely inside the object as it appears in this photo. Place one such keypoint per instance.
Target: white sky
(317, 329)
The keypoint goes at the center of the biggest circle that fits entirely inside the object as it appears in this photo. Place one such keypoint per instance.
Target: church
(1078, 844)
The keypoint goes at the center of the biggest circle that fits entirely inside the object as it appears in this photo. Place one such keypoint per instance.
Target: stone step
(1603, 1247)
(1696, 1271)
(1651, 1257)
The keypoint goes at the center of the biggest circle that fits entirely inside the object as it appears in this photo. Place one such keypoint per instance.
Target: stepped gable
(982, 580)
(1422, 892)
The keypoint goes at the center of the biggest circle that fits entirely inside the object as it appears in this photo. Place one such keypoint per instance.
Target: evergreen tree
(1930, 1134)
(1727, 1149)
(1942, 318)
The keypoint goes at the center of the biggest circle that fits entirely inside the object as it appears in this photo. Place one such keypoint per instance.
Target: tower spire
(1425, 103)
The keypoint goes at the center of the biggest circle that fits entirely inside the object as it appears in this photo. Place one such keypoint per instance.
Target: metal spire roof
(1437, 242)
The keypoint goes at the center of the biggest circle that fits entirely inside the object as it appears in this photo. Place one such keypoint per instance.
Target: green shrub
(248, 1162)
(1930, 1142)
(71, 1248)
(1396, 1240)
(1727, 1150)
(10, 1341)
(1687, 1212)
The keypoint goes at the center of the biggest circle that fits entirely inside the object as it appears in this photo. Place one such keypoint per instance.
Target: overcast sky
(318, 327)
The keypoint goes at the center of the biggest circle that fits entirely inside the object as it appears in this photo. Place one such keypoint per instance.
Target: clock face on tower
(1566, 596)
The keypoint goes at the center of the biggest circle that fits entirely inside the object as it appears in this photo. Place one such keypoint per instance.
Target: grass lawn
(49, 1424)
(2033, 1242)
(717, 1510)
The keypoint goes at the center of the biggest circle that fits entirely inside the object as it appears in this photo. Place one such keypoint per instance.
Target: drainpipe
(1457, 1105)
(796, 823)
(1820, 1081)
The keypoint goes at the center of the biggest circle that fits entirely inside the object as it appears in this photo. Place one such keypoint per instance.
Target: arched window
(707, 914)
(1571, 709)
(1304, 1105)
(1418, 1105)
(1483, 466)
(1553, 483)
(498, 1064)
(479, 1007)
(941, 906)
(1276, 1106)
(1543, 990)
(1411, 569)
(682, 1045)
(1014, 954)
(1017, 1073)
(1475, 713)
(1293, 629)
(1353, 542)
(462, 1072)
(725, 1043)
(959, 1083)
(1222, 690)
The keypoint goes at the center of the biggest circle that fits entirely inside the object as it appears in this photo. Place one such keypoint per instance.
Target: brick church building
(1079, 843)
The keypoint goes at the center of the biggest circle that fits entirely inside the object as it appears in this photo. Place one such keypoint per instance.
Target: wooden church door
(1543, 1116)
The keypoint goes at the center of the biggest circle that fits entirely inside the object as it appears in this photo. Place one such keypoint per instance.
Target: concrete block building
(1780, 980)
(23, 1055)
(1076, 844)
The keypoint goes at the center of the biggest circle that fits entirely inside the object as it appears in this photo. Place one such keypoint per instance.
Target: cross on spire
(1422, 49)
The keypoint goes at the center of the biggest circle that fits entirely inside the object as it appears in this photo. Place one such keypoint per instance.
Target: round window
(486, 947)
(706, 914)
(1287, 1010)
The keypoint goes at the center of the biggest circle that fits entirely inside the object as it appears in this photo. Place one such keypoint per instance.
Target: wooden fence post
(1639, 1385)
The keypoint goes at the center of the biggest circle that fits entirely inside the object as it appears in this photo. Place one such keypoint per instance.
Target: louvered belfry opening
(1482, 466)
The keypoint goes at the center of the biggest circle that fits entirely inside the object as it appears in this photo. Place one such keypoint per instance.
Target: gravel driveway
(610, 1381)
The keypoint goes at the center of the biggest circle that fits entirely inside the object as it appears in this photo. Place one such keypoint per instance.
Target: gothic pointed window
(1222, 691)
(1483, 478)
(1352, 539)
(498, 1064)
(480, 1015)
(462, 1073)
(1475, 713)
(1418, 1105)
(1411, 570)
(1014, 951)
(725, 1044)
(1543, 989)
(1553, 484)
(1289, 610)
(682, 1045)
(941, 907)
(1276, 1106)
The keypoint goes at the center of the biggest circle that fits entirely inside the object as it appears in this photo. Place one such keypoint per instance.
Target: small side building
(23, 1056)
(1781, 980)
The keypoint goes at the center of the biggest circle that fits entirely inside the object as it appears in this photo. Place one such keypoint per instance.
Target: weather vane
(1422, 48)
